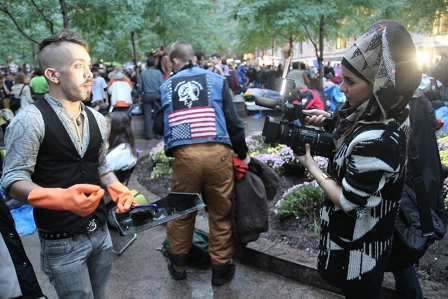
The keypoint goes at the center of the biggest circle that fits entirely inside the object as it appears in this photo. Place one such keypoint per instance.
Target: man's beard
(74, 92)
(88, 96)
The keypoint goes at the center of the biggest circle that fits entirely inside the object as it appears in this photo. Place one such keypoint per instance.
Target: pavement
(264, 269)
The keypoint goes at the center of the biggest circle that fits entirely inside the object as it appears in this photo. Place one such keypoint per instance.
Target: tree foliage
(119, 30)
(124, 30)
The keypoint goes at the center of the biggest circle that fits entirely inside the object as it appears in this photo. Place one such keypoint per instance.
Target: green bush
(301, 201)
(162, 164)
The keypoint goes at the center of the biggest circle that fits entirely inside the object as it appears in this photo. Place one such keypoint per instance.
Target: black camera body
(290, 130)
(295, 136)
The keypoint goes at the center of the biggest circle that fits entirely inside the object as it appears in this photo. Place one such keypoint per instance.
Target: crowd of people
(61, 156)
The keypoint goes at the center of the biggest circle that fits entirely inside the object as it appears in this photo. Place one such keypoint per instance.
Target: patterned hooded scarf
(385, 57)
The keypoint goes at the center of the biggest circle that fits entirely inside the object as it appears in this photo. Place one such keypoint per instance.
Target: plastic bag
(135, 109)
(24, 220)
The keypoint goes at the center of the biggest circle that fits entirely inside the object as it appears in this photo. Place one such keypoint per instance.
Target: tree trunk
(137, 71)
(320, 59)
(64, 13)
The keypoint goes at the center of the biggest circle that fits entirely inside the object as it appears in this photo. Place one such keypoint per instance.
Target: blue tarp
(442, 114)
(333, 95)
(23, 217)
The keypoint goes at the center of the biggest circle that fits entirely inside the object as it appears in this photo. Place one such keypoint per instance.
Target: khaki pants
(5, 103)
(204, 168)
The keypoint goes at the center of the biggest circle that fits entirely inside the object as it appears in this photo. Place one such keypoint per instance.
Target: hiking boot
(222, 274)
(177, 275)
(177, 265)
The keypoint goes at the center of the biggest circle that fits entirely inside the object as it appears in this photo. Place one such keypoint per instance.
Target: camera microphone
(268, 103)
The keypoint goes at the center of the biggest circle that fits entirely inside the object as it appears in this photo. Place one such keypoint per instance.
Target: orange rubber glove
(73, 199)
(121, 195)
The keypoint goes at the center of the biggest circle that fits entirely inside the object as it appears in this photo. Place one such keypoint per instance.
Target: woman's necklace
(77, 123)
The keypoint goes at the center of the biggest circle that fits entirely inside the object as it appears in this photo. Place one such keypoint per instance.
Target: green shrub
(162, 164)
(301, 201)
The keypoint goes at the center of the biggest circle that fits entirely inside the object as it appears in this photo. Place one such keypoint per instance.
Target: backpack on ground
(14, 101)
(198, 254)
(421, 218)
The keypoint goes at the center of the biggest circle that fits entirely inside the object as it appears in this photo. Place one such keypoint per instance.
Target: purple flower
(272, 160)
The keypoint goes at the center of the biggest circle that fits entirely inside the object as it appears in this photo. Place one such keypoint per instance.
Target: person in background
(20, 89)
(304, 69)
(299, 76)
(199, 59)
(38, 84)
(218, 67)
(362, 193)
(149, 94)
(433, 66)
(120, 90)
(5, 89)
(56, 161)
(329, 70)
(201, 127)
(121, 152)
(314, 73)
(112, 72)
(99, 91)
(99, 86)
(162, 62)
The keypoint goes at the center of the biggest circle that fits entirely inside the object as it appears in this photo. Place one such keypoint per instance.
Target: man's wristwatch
(323, 176)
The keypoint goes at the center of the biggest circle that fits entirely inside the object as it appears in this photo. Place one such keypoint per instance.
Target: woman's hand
(316, 117)
(307, 160)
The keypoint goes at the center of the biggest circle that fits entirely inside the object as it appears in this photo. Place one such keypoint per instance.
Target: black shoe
(222, 274)
(176, 274)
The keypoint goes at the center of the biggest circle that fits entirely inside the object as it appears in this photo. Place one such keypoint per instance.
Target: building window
(341, 43)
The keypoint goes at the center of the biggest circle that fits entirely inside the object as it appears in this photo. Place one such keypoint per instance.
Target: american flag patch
(192, 123)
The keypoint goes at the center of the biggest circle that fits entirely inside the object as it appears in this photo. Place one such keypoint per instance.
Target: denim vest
(193, 109)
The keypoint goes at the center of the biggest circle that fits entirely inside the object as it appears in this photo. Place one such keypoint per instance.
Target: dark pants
(407, 284)
(150, 101)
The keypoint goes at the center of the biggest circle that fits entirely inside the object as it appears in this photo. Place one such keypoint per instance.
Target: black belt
(55, 235)
(92, 227)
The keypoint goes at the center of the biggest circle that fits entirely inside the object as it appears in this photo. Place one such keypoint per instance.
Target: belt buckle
(92, 226)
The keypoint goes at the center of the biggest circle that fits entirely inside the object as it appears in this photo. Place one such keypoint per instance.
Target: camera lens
(275, 131)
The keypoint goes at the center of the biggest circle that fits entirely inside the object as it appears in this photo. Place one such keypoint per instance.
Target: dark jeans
(407, 284)
(150, 101)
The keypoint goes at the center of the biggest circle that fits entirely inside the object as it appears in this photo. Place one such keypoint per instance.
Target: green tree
(120, 30)
(290, 22)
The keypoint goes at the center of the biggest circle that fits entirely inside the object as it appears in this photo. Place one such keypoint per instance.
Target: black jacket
(24, 272)
(250, 214)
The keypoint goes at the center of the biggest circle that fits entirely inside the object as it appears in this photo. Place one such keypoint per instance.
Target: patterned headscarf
(385, 57)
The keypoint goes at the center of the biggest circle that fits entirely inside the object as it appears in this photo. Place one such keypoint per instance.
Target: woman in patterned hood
(362, 194)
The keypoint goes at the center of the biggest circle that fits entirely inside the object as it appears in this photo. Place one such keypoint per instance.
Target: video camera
(290, 131)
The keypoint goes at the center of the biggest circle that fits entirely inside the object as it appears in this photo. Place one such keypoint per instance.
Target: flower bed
(294, 210)
(293, 202)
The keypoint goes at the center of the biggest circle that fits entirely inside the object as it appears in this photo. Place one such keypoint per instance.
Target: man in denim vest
(201, 128)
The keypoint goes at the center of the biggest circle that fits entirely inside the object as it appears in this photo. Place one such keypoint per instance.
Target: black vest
(59, 165)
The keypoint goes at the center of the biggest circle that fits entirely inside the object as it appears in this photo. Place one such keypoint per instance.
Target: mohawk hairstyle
(65, 35)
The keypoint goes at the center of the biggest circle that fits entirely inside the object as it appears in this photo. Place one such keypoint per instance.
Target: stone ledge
(300, 265)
